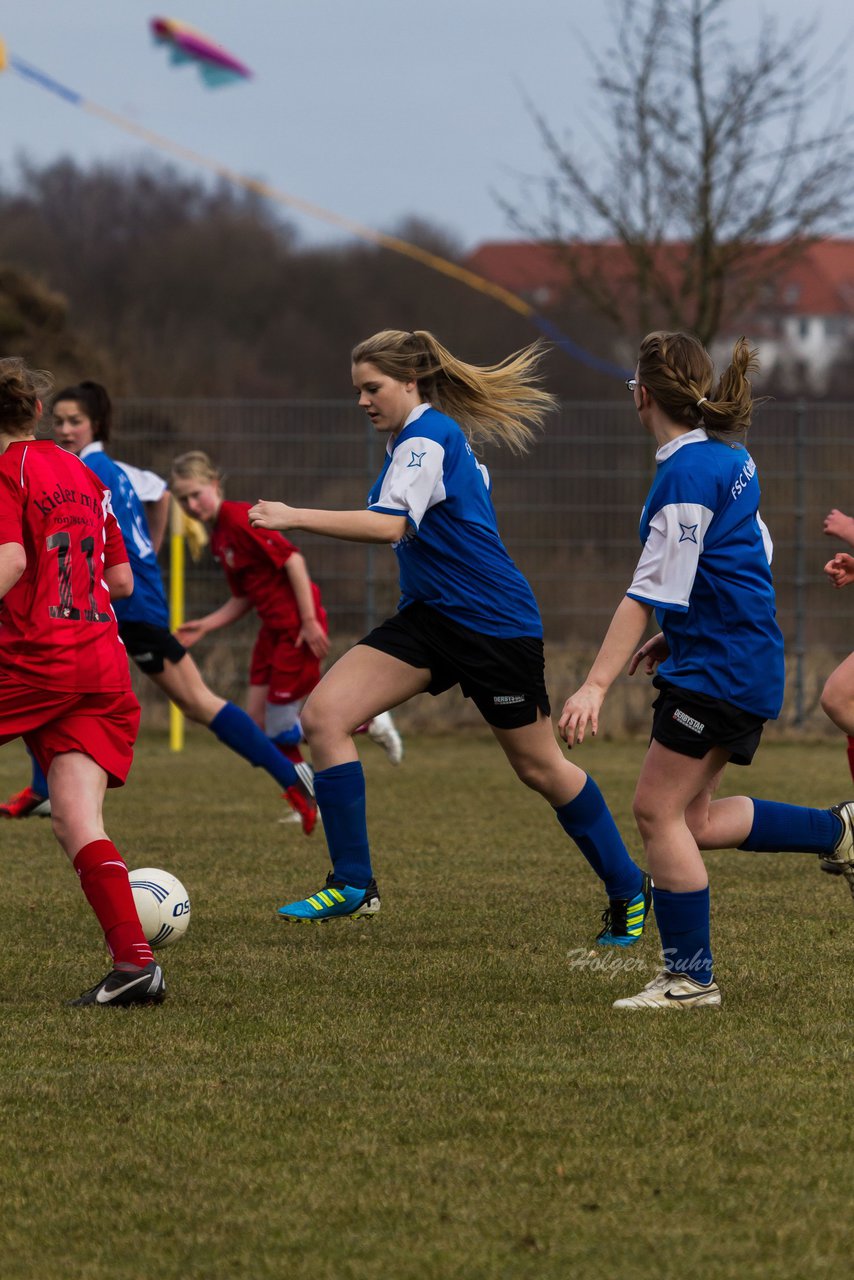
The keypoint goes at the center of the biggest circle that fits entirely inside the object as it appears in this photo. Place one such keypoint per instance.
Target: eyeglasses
(632, 384)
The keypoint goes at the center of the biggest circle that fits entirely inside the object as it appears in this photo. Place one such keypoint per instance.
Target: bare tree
(707, 168)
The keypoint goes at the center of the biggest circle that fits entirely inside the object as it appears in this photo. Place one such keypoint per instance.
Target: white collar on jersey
(667, 450)
(413, 417)
(94, 446)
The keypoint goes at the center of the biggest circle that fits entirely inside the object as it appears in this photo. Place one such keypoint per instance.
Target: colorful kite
(216, 66)
(432, 260)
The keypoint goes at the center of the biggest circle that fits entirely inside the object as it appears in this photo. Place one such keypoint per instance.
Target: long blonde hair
(496, 402)
(194, 465)
(678, 372)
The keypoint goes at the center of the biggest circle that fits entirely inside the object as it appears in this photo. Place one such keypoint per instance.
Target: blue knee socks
(239, 731)
(588, 820)
(683, 922)
(791, 828)
(340, 794)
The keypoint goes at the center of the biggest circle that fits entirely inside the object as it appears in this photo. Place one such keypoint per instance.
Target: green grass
(441, 1093)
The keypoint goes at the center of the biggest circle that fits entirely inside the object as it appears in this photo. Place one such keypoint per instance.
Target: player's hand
(189, 632)
(312, 634)
(579, 711)
(838, 525)
(840, 569)
(650, 654)
(271, 515)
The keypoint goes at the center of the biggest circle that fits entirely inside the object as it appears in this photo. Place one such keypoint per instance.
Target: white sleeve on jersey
(668, 563)
(149, 486)
(414, 481)
(766, 538)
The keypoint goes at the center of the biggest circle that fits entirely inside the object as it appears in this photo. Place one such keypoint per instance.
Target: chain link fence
(568, 512)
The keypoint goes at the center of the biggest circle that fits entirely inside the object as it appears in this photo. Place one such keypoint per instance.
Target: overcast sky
(374, 109)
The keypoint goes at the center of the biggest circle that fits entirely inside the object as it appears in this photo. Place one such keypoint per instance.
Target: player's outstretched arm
(838, 525)
(621, 640)
(352, 526)
(235, 607)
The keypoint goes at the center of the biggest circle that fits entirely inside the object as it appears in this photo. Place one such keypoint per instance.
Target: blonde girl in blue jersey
(705, 572)
(467, 616)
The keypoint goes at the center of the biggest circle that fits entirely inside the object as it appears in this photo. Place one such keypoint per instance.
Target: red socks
(291, 753)
(851, 756)
(104, 880)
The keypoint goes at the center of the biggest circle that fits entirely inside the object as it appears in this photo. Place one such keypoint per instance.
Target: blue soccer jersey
(129, 487)
(705, 567)
(451, 556)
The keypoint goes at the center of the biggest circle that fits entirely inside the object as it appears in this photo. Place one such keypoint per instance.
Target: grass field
(445, 1092)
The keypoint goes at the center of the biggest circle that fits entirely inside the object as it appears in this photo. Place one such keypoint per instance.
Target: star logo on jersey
(689, 533)
(415, 458)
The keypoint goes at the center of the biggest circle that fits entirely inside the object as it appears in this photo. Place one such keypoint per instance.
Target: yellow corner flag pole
(176, 609)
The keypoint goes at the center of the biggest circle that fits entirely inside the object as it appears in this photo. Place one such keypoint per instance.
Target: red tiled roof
(820, 282)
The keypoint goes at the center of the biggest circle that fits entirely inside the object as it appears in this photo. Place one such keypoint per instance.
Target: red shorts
(102, 726)
(291, 671)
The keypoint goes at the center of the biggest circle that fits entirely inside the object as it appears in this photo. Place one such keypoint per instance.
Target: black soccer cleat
(126, 985)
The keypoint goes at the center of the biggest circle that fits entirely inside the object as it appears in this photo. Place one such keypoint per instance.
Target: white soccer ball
(163, 905)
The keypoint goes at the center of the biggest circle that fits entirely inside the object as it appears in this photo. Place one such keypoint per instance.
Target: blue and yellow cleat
(624, 918)
(335, 901)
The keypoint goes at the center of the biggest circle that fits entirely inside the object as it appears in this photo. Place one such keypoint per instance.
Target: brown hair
(678, 372)
(95, 403)
(21, 389)
(497, 401)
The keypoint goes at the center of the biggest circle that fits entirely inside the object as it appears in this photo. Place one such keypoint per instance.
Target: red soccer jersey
(253, 560)
(57, 627)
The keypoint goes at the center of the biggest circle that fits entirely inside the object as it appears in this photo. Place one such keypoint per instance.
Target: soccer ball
(162, 904)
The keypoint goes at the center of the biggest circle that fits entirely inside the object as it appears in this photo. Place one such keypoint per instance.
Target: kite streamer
(413, 251)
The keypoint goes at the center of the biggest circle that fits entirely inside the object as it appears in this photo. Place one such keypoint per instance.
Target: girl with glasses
(705, 571)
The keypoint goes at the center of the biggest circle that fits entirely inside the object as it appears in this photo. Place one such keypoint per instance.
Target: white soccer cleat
(384, 733)
(294, 819)
(672, 991)
(840, 862)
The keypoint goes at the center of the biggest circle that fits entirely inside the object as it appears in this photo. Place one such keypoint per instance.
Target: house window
(804, 327)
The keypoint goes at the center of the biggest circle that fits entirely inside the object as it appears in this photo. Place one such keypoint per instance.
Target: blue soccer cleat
(335, 901)
(624, 918)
